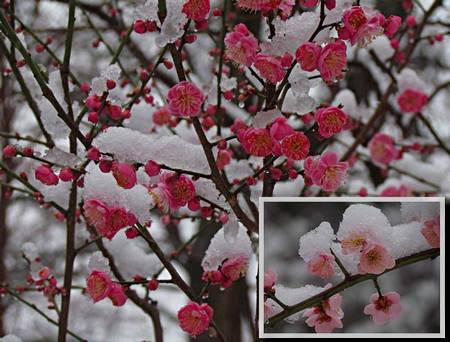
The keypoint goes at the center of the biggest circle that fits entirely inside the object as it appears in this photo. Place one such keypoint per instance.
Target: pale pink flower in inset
(241, 45)
(268, 311)
(382, 148)
(269, 67)
(185, 99)
(431, 232)
(412, 101)
(194, 318)
(322, 265)
(99, 285)
(331, 120)
(327, 317)
(295, 146)
(332, 60)
(385, 308)
(375, 259)
(307, 55)
(270, 278)
(355, 242)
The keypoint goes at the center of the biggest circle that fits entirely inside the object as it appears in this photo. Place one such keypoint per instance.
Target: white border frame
(263, 200)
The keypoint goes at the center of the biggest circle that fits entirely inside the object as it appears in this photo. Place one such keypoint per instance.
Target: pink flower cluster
(330, 60)
(326, 171)
(185, 99)
(331, 120)
(194, 318)
(100, 286)
(326, 317)
(374, 258)
(173, 191)
(362, 25)
(108, 221)
(230, 270)
(241, 45)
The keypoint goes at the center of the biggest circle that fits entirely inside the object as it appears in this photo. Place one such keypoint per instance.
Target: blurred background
(418, 284)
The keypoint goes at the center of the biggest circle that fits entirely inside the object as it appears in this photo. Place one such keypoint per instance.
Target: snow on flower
(327, 317)
(326, 171)
(295, 146)
(194, 318)
(385, 308)
(382, 148)
(269, 67)
(241, 45)
(332, 61)
(226, 261)
(331, 120)
(185, 99)
(412, 101)
(316, 241)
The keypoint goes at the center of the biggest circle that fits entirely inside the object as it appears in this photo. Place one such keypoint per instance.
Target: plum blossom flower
(241, 45)
(268, 310)
(326, 171)
(196, 9)
(295, 146)
(269, 67)
(117, 295)
(173, 191)
(375, 259)
(96, 212)
(355, 242)
(412, 101)
(194, 318)
(327, 317)
(332, 61)
(385, 308)
(262, 5)
(393, 191)
(257, 142)
(307, 55)
(232, 269)
(331, 121)
(382, 148)
(270, 278)
(392, 25)
(185, 99)
(45, 175)
(162, 116)
(125, 174)
(99, 285)
(322, 265)
(431, 232)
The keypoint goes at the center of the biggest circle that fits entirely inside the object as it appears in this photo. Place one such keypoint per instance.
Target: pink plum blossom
(270, 278)
(355, 242)
(326, 171)
(375, 259)
(185, 99)
(96, 213)
(322, 265)
(385, 308)
(196, 9)
(125, 174)
(173, 191)
(331, 120)
(361, 27)
(162, 116)
(307, 55)
(332, 61)
(99, 285)
(241, 45)
(382, 148)
(327, 317)
(117, 295)
(232, 269)
(412, 101)
(45, 175)
(257, 142)
(268, 311)
(431, 232)
(394, 191)
(280, 129)
(269, 67)
(194, 318)
(295, 146)
(392, 25)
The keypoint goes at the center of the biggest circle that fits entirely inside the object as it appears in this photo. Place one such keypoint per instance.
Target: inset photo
(353, 267)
